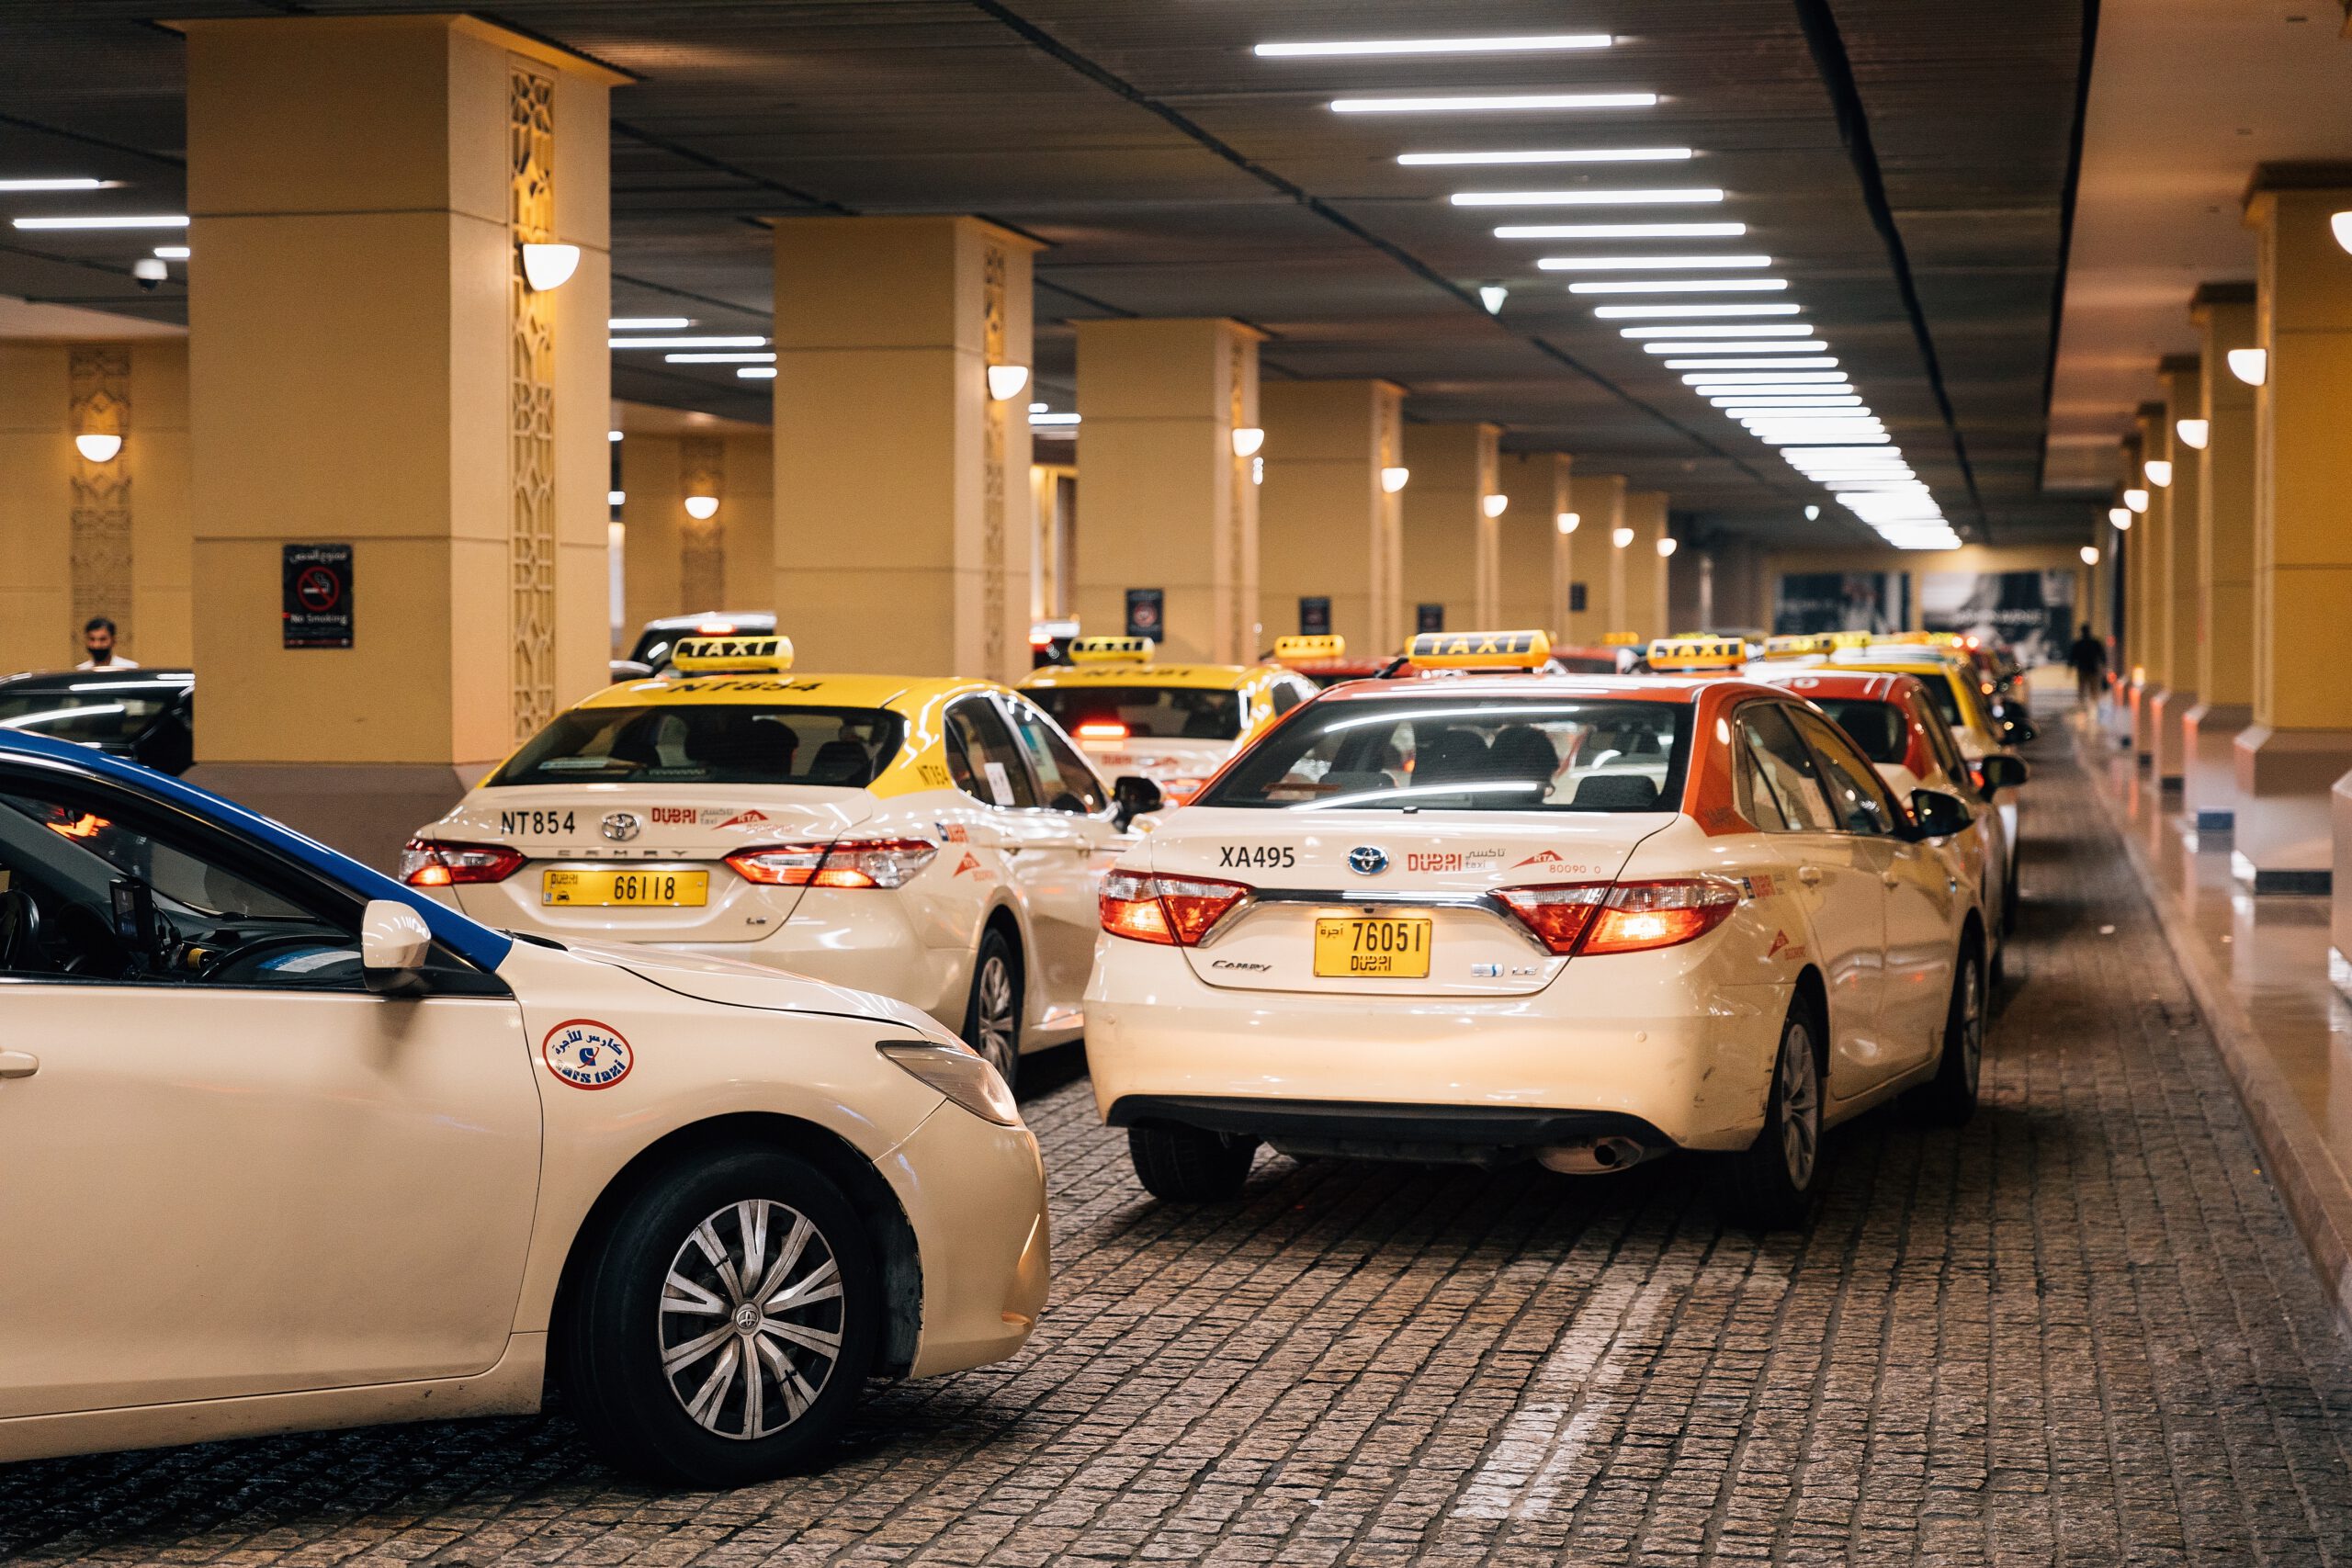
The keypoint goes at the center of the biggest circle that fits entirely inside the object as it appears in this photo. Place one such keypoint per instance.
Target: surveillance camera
(150, 271)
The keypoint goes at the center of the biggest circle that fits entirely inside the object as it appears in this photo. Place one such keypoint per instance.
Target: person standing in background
(97, 641)
(2088, 656)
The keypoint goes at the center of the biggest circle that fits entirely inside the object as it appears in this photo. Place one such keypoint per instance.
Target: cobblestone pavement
(2080, 1330)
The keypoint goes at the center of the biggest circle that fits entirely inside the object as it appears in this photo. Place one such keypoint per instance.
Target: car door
(1922, 902)
(1839, 887)
(1985, 845)
(1071, 841)
(993, 832)
(230, 1170)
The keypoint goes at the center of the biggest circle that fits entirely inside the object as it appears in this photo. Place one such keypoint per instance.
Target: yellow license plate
(1390, 949)
(626, 889)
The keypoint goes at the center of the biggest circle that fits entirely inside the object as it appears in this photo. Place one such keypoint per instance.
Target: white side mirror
(393, 942)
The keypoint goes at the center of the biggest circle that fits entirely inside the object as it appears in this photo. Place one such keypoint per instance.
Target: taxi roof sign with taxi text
(1672, 653)
(1332, 646)
(711, 655)
(1480, 650)
(1112, 650)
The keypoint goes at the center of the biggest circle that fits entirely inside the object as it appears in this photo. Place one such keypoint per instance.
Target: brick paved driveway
(2080, 1330)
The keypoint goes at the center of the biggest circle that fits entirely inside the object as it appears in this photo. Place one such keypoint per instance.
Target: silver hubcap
(1800, 1106)
(751, 1321)
(994, 1014)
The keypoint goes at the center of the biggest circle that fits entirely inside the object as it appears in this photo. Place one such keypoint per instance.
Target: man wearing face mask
(97, 641)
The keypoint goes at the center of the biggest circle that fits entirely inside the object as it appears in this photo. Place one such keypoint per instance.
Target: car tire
(992, 1013)
(1186, 1165)
(1770, 1184)
(1949, 1099)
(652, 1288)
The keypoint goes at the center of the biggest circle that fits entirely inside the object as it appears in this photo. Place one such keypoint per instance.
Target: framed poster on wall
(2033, 612)
(1842, 602)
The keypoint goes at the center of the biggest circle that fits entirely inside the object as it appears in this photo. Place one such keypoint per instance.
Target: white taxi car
(351, 1157)
(936, 840)
(1173, 724)
(1582, 918)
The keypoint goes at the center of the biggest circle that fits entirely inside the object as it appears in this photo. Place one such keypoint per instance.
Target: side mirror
(393, 944)
(1937, 814)
(619, 670)
(2000, 772)
(1134, 795)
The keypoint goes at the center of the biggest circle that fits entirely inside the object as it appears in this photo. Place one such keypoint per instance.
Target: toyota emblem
(621, 825)
(1366, 860)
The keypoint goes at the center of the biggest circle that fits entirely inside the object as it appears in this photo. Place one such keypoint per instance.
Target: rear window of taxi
(1492, 754)
(709, 743)
(1159, 712)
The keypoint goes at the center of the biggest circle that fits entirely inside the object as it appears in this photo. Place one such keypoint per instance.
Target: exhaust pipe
(1593, 1157)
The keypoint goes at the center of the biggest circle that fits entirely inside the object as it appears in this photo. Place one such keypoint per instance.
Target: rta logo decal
(587, 1055)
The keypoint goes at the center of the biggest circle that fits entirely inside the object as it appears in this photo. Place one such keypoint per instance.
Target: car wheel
(1769, 1186)
(992, 1016)
(724, 1327)
(1949, 1098)
(1186, 1165)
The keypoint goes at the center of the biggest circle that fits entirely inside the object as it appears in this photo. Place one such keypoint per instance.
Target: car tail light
(852, 863)
(1174, 911)
(1102, 731)
(1557, 916)
(425, 862)
(1641, 916)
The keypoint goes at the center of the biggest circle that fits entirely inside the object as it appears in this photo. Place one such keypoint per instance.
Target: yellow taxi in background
(934, 840)
(1173, 724)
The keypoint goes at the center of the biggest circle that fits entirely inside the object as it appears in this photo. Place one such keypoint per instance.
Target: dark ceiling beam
(1837, 71)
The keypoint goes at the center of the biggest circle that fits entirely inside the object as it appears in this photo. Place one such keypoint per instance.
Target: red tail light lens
(1103, 731)
(1557, 916)
(425, 862)
(852, 863)
(1641, 916)
(1173, 911)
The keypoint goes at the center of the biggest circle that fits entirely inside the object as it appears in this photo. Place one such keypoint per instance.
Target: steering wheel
(20, 931)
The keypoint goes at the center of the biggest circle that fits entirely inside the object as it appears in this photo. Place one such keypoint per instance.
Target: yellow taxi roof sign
(1849, 640)
(1327, 646)
(1112, 649)
(710, 655)
(1480, 650)
(1622, 639)
(1797, 643)
(1680, 653)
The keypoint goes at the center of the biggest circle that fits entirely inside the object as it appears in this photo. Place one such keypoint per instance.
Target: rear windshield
(95, 714)
(1158, 713)
(1879, 729)
(709, 743)
(1940, 692)
(1517, 754)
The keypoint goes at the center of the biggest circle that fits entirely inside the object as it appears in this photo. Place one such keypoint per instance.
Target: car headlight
(958, 1072)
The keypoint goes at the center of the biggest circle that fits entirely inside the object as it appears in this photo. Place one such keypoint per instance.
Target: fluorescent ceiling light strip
(1506, 103)
(1551, 155)
(1669, 196)
(688, 342)
(1645, 264)
(1667, 312)
(1818, 439)
(1508, 43)
(154, 221)
(1741, 328)
(1741, 405)
(1802, 345)
(1805, 362)
(171, 253)
(647, 324)
(757, 372)
(69, 182)
(749, 358)
(1053, 418)
(1685, 285)
(1621, 230)
(1765, 378)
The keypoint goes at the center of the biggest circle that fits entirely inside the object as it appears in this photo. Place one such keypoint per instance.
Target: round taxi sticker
(587, 1055)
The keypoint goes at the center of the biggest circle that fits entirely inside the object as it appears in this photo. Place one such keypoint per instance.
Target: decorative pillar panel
(1644, 601)
(1449, 551)
(2178, 598)
(2221, 584)
(702, 541)
(901, 492)
(1600, 506)
(1530, 552)
(1325, 529)
(370, 369)
(1165, 505)
(100, 405)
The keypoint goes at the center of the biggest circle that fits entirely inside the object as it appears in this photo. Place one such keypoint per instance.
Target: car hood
(731, 983)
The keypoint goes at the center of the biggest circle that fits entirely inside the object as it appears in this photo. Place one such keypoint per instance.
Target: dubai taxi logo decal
(1367, 859)
(620, 827)
(587, 1055)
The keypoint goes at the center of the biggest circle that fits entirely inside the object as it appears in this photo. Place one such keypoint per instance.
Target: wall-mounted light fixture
(2193, 433)
(2251, 366)
(1393, 480)
(2120, 518)
(2137, 499)
(2341, 223)
(1257, 470)
(549, 266)
(1813, 515)
(1006, 381)
(1667, 547)
(98, 448)
(1247, 439)
(702, 508)
(2159, 471)
(1566, 522)
(1493, 505)
(2090, 555)
(1621, 537)
(1491, 296)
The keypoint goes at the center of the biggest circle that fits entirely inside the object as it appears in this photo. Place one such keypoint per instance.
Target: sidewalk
(2258, 970)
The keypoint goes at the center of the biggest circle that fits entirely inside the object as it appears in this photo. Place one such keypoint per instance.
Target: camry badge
(1366, 860)
(621, 825)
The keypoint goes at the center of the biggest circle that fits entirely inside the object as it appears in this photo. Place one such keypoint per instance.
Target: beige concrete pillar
(1449, 550)
(1053, 498)
(2301, 740)
(1326, 527)
(1532, 553)
(2144, 572)
(2176, 595)
(676, 563)
(369, 367)
(79, 538)
(1168, 515)
(1644, 601)
(902, 490)
(1600, 505)
(2224, 313)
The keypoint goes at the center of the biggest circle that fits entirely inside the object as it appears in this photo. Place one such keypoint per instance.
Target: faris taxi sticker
(587, 1055)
